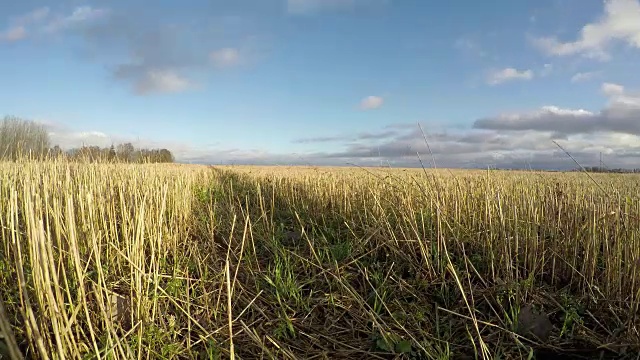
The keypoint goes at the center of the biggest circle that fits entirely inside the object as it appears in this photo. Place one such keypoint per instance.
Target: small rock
(531, 323)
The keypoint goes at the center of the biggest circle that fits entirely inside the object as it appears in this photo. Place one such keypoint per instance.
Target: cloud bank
(509, 140)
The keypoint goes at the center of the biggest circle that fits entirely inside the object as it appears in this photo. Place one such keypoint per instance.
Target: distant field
(192, 262)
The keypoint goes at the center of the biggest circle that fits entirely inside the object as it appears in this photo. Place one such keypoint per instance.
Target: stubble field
(115, 261)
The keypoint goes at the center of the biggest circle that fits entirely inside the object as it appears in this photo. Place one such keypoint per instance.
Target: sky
(460, 83)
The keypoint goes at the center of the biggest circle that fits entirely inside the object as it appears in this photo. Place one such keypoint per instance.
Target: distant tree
(111, 153)
(87, 153)
(55, 152)
(120, 153)
(19, 137)
(125, 152)
(136, 156)
(166, 156)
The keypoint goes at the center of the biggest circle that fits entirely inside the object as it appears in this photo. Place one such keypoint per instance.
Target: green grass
(107, 261)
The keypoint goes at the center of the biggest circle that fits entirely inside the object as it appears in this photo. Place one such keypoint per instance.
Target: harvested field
(115, 261)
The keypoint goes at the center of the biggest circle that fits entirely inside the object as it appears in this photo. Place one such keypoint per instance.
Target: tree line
(23, 138)
(601, 169)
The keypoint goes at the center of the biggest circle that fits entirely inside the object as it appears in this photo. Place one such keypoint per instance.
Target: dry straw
(113, 261)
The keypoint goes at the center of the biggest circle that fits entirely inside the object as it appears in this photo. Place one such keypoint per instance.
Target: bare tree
(22, 138)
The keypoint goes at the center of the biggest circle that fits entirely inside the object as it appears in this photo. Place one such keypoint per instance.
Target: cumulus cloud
(149, 58)
(619, 23)
(149, 52)
(157, 55)
(547, 118)
(162, 81)
(610, 89)
(147, 79)
(496, 77)
(371, 102)
(67, 138)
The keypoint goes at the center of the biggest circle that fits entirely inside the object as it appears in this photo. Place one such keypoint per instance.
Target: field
(116, 261)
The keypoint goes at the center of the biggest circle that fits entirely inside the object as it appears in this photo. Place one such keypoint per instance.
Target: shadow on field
(319, 276)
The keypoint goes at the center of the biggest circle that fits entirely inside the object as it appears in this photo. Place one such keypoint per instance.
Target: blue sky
(331, 81)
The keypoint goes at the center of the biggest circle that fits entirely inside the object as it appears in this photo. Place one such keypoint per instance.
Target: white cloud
(80, 138)
(225, 57)
(619, 116)
(620, 22)
(371, 102)
(610, 89)
(584, 76)
(625, 103)
(155, 56)
(533, 120)
(68, 138)
(13, 34)
(161, 81)
(41, 19)
(81, 14)
(508, 74)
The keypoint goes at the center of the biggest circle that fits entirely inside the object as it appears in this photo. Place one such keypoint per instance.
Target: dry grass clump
(158, 261)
